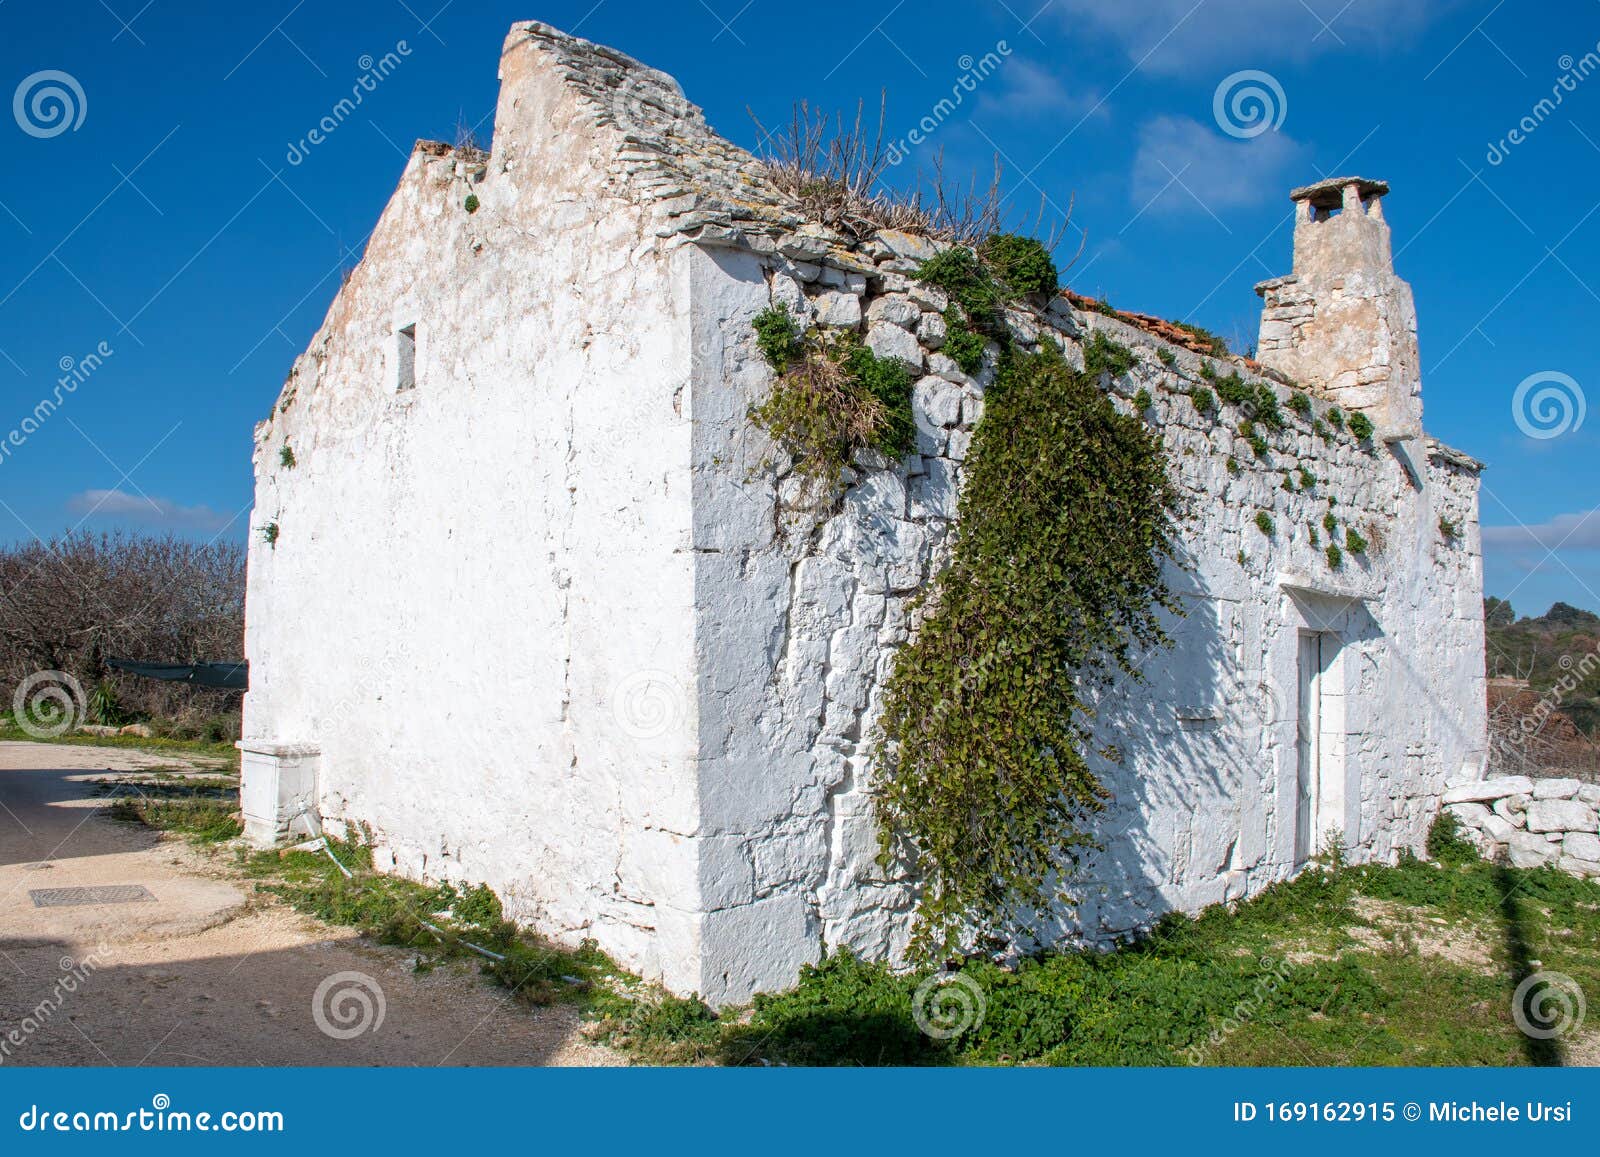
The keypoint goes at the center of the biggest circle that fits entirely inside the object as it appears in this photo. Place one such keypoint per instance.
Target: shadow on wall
(1201, 759)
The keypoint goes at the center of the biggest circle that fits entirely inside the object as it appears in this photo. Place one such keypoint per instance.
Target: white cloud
(1563, 532)
(1185, 166)
(1023, 89)
(137, 508)
(1186, 36)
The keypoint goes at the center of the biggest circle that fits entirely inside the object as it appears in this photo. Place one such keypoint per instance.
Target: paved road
(205, 971)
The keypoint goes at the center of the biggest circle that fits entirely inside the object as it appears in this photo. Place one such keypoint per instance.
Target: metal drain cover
(100, 894)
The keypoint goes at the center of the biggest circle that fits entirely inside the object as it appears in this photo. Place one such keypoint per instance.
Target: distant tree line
(71, 604)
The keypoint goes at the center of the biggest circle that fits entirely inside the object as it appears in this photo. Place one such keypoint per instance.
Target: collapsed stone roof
(706, 187)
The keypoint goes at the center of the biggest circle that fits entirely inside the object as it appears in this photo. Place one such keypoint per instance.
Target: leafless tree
(73, 603)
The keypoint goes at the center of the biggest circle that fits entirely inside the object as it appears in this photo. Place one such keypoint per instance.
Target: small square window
(405, 357)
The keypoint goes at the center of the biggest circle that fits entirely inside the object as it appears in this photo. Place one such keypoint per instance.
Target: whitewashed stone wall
(479, 607)
(559, 619)
(800, 611)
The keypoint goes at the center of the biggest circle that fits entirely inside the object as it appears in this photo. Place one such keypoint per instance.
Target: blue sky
(164, 222)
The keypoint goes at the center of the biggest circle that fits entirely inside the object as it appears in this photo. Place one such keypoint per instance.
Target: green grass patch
(1308, 972)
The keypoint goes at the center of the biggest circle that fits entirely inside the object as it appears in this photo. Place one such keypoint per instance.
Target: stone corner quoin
(541, 608)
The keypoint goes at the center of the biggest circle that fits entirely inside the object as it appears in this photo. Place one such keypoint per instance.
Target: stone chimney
(1342, 324)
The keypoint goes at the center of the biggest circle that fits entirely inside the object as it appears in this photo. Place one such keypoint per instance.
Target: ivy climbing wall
(1289, 522)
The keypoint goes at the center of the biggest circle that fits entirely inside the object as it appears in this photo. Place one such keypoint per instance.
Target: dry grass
(836, 171)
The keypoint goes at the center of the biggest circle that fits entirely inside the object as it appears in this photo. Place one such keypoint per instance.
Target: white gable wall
(478, 606)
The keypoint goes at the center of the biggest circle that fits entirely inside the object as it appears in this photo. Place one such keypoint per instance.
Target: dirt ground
(207, 971)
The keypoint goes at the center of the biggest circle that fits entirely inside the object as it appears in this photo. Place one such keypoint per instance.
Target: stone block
(1526, 850)
(1581, 846)
(1490, 789)
(1555, 788)
(1560, 815)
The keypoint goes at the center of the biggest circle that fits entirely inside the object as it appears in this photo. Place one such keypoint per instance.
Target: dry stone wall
(1529, 823)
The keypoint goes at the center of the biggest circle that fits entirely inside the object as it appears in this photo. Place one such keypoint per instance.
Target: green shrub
(835, 397)
(1265, 524)
(1335, 417)
(1142, 400)
(1361, 426)
(1446, 844)
(1258, 442)
(471, 203)
(778, 337)
(1353, 542)
(1021, 264)
(1447, 528)
(1300, 403)
(1204, 400)
(963, 345)
(1055, 579)
(1103, 355)
(1214, 344)
(1335, 556)
(1233, 390)
(286, 457)
(1329, 522)
(1307, 479)
(970, 285)
(1266, 407)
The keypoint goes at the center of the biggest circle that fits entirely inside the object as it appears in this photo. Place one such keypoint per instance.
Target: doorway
(1319, 773)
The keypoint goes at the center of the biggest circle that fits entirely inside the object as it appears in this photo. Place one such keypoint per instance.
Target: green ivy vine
(1054, 581)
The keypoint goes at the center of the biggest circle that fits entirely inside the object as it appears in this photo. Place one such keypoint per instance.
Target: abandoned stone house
(531, 599)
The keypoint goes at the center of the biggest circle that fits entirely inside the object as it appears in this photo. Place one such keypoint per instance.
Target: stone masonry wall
(1532, 822)
(801, 610)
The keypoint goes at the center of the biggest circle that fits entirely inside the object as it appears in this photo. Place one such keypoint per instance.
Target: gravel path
(205, 971)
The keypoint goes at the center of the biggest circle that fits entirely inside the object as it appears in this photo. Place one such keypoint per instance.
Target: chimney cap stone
(1329, 193)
